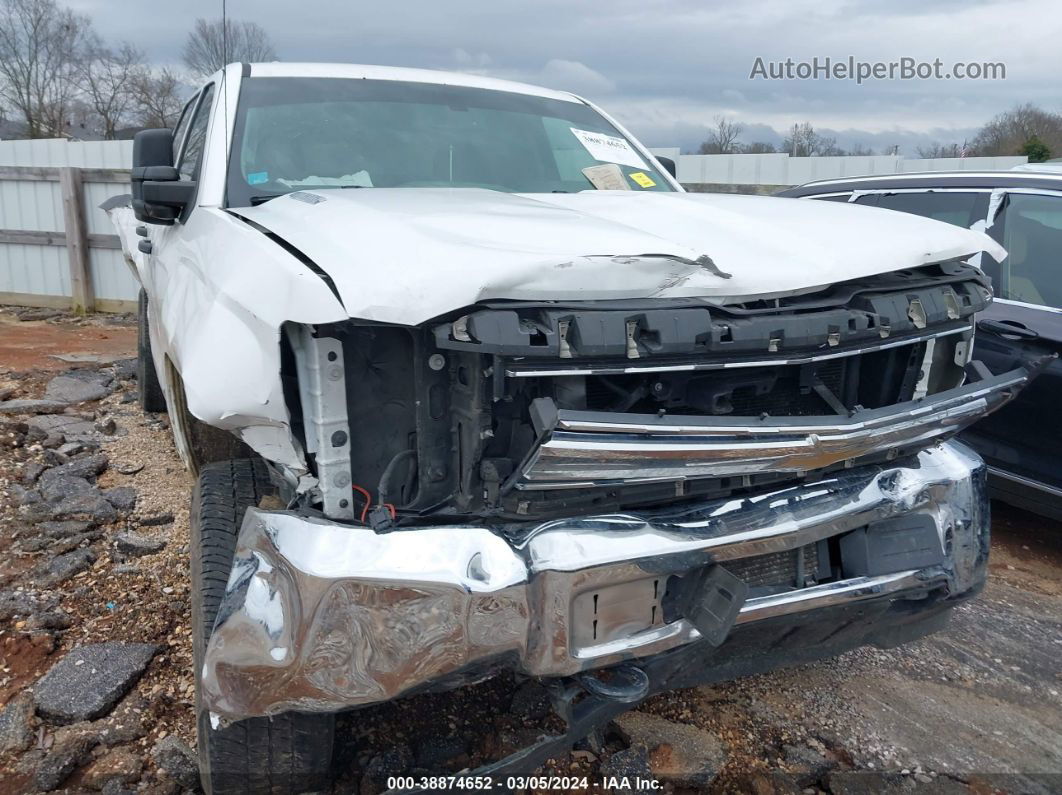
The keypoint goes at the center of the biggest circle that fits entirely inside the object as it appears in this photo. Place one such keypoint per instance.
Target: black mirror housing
(159, 194)
(153, 148)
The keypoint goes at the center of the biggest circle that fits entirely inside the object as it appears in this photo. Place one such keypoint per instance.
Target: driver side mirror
(159, 193)
(668, 164)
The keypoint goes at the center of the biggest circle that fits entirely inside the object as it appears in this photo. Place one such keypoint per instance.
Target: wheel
(205, 444)
(288, 753)
(152, 397)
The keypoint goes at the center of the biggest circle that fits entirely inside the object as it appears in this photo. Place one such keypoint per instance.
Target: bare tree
(158, 96)
(860, 150)
(108, 80)
(41, 50)
(937, 149)
(210, 45)
(1008, 132)
(723, 139)
(803, 141)
(759, 148)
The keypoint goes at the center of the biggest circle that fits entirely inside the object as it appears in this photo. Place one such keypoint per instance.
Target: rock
(71, 448)
(53, 441)
(124, 369)
(531, 701)
(58, 489)
(63, 567)
(684, 755)
(865, 782)
(73, 542)
(117, 765)
(107, 426)
(14, 604)
(63, 529)
(626, 767)
(129, 397)
(121, 497)
(77, 386)
(761, 782)
(53, 458)
(31, 406)
(63, 426)
(68, 752)
(85, 507)
(32, 471)
(806, 765)
(23, 496)
(395, 761)
(50, 619)
(86, 467)
(6, 392)
(135, 545)
(156, 520)
(179, 761)
(37, 313)
(434, 752)
(16, 723)
(90, 680)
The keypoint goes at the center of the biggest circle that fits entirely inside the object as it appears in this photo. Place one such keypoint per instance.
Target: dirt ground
(976, 708)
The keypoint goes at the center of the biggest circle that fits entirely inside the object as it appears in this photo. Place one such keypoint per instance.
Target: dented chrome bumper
(320, 616)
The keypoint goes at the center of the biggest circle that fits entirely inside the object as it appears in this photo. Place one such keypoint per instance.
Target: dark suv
(1022, 210)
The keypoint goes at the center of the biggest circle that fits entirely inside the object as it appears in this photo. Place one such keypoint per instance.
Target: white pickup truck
(471, 384)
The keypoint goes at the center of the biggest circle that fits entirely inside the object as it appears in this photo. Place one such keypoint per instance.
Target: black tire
(285, 754)
(152, 397)
(206, 444)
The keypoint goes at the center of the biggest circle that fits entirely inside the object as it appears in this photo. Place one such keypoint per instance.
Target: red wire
(368, 500)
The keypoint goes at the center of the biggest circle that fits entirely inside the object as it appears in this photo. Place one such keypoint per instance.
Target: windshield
(294, 133)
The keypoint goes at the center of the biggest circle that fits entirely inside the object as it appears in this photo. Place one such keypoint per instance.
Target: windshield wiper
(256, 200)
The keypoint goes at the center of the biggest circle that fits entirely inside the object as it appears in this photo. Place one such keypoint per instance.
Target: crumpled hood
(406, 255)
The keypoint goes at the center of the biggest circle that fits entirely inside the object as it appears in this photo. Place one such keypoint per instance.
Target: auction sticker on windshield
(608, 148)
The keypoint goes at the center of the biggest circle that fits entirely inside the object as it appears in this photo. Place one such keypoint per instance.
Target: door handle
(1008, 328)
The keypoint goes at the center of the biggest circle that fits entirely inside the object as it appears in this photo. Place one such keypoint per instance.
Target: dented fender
(219, 294)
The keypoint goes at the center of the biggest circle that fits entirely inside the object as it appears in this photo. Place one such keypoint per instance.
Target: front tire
(285, 754)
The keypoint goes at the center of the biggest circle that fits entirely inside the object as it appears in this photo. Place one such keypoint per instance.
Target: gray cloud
(667, 68)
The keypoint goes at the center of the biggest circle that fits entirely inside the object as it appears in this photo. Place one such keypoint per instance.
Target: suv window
(193, 149)
(1029, 227)
(182, 125)
(953, 207)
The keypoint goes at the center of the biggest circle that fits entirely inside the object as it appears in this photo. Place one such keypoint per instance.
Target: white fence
(39, 265)
(781, 169)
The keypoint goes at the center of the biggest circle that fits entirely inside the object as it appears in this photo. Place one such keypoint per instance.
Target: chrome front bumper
(320, 616)
(578, 449)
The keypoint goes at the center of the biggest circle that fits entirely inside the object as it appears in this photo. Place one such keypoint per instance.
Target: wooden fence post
(82, 299)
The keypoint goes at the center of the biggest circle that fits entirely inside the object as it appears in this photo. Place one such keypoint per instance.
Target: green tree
(1035, 149)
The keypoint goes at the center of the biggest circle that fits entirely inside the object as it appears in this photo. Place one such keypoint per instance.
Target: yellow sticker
(642, 179)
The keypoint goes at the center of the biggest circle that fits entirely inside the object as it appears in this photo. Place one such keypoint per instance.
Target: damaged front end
(555, 489)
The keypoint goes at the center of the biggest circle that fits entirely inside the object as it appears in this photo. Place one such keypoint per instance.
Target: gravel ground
(976, 708)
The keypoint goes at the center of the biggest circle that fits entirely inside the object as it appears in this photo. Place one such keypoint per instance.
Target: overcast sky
(665, 68)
